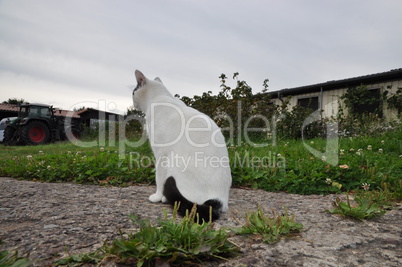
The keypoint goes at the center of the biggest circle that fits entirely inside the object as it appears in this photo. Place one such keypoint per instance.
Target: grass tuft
(365, 205)
(270, 227)
(8, 259)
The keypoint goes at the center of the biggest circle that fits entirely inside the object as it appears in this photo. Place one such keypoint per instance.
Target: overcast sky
(83, 52)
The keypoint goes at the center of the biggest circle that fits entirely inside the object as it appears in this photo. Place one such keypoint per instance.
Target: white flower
(328, 181)
(102, 149)
(48, 167)
(351, 150)
(323, 158)
(41, 152)
(380, 150)
(29, 157)
(358, 153)
(312, 142)
(279, 155)
(382, 142)
(369, 147)
(366, 186)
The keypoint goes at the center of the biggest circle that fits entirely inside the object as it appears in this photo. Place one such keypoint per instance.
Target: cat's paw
(164, 200)
(155, 198)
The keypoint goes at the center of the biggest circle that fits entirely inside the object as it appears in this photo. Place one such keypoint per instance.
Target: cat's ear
(158, 80)
(140, 78)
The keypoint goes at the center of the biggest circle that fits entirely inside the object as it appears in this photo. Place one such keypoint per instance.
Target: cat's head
(147, 91)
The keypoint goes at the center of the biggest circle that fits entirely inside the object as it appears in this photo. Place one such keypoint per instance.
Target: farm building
(8, 110)
(91, 116)
(326, 96)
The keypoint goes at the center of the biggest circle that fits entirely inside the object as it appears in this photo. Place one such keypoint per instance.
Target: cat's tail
(172, 194)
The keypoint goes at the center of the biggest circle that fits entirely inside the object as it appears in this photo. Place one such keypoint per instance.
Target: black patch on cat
(172, 194)
(136, 88)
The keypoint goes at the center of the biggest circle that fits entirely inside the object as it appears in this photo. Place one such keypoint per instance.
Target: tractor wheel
(35, 133)
(8, 136)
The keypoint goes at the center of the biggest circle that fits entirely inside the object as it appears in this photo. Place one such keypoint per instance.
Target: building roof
(9, 107)
(392, 75)
(66, 113)
(93, 110)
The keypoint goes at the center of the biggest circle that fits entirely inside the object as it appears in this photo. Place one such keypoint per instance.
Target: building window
(370, 104)
(309, 102)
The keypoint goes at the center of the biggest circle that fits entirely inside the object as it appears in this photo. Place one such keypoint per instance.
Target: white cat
(192, 163)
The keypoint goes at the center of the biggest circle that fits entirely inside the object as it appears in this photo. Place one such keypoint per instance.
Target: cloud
(92, 48)
(59, 94)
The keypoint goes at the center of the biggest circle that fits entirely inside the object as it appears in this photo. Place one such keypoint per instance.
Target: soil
(47, 221)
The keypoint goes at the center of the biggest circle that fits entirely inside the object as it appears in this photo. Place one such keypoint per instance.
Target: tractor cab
(35, 110)
(28, 111)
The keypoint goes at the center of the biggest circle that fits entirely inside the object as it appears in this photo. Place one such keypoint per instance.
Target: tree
(14, 101)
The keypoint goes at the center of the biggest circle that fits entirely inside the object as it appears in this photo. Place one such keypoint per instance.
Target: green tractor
(37, 124)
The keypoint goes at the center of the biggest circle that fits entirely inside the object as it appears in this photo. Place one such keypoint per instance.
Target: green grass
(66, 162)
(288, 166)
(292, 168)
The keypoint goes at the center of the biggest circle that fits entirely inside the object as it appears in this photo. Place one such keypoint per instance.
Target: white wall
(329, 100)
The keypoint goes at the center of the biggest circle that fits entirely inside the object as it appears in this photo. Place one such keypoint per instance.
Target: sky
(78, 53)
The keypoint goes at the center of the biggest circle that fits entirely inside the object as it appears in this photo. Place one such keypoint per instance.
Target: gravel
(47, 221)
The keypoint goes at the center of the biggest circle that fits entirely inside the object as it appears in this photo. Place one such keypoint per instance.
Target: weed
(181, 242)
(366, 205)
(8, 259)
(78, 260)
(270, 228)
